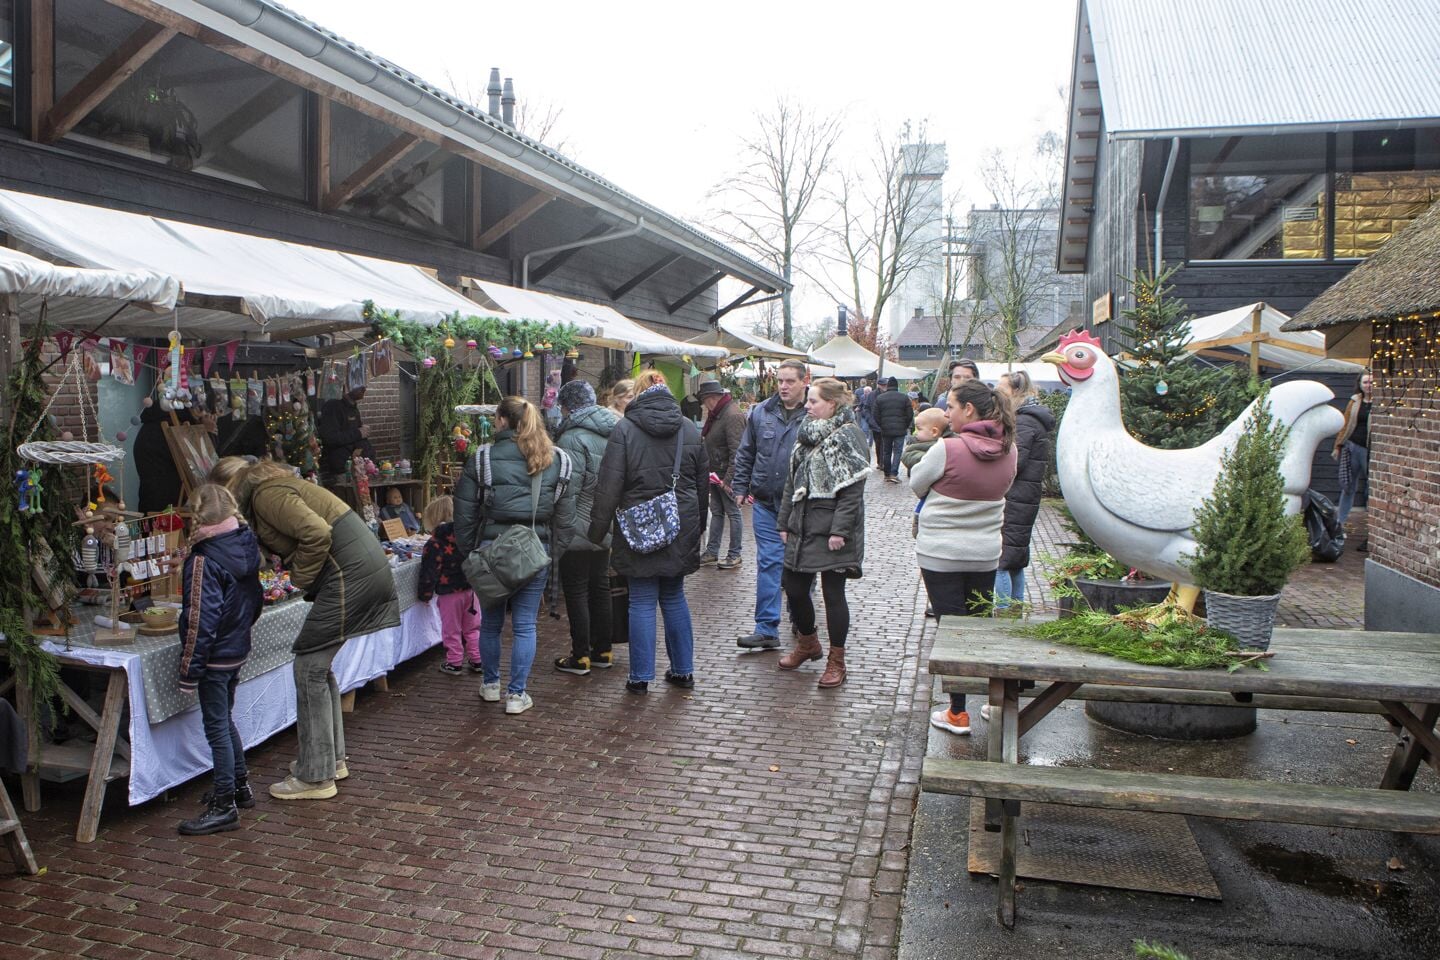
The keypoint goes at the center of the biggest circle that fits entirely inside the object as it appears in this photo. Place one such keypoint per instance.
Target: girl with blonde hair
(334, 558)
(486, 506)
(620, 396)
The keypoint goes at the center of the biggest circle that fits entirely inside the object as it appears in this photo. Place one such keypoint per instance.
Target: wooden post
(1255, 316)
(115, 694)
(42, 64)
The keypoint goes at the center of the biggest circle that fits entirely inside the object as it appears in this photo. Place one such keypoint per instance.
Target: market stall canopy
(737, 341)
(26, 276)
(852, 360)
(1045, 376)
(233, 283)
(1236, 330)
(599, 325)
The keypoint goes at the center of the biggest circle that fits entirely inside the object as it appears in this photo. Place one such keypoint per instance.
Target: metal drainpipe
(617, 235)
(1160, 202)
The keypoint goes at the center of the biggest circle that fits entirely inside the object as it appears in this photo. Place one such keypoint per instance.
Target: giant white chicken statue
(1138, 502)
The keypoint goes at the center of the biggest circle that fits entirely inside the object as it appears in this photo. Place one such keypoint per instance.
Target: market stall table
(166, 744)
(1399, 671)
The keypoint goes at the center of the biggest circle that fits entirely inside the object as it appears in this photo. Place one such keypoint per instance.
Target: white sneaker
(985, 713)
(490, 692)
(518, 703)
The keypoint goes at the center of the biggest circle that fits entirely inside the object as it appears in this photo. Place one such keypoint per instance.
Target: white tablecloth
(167, 754)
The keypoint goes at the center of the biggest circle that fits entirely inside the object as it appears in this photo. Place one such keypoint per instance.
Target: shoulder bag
(654, 524)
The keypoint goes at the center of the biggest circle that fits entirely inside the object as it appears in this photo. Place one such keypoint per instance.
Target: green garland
(441, 388)
(509, 335)
(25, 397)
(1169, 639)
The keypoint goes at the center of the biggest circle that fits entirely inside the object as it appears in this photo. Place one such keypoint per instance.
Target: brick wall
(1404, 511)
(384, 413)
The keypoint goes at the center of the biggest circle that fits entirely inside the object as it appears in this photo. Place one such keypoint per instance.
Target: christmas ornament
(1162, 388)
(120, 436)
(449, 343)
(428, 362)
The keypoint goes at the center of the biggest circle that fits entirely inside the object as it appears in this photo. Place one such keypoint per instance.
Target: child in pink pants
(442, 577)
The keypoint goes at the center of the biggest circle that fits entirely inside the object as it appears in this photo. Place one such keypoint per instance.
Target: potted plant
(1246, 546)
(147, 113)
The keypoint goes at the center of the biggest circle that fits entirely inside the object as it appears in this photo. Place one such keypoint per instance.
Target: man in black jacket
(893, 416)
(342, 433)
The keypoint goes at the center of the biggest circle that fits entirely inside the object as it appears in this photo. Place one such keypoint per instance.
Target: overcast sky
(655, 96)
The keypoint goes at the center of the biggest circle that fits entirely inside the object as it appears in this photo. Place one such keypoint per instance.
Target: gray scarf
(829, 455)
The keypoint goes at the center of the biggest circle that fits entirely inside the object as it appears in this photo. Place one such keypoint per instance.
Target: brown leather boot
(834, 674)
(807, 647)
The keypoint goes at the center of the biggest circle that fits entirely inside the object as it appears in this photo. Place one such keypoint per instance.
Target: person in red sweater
(442, 577)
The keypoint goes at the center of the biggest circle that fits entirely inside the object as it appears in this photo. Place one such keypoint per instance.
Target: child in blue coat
(221, 600)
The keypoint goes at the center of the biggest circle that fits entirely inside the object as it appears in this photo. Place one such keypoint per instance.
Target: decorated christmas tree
(1170, 398)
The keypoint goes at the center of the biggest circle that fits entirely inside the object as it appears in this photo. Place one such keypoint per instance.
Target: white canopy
(1045, 376)
(1234, 330)
(24, 275)
(278, 285)
(852, 360)
(598, 324)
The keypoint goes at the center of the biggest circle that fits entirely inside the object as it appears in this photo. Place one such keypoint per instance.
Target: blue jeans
(769, 561)
(890, 450)
(216, 692)
(1359, 479)
(1009, 585)
(679, 635)
(524, 611)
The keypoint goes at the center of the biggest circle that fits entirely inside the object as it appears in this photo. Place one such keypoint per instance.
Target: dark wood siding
(1113, 223)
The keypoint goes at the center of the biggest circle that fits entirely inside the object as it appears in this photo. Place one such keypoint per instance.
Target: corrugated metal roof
(1177, 67)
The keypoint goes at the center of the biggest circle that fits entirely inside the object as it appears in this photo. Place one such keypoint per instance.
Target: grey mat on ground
(1153, 852)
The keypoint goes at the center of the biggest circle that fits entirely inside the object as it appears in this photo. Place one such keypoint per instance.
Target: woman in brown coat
(332, 556)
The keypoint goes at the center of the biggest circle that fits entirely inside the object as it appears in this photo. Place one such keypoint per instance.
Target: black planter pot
(1110, 596)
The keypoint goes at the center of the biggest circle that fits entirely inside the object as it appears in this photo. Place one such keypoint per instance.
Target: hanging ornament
(572, 354)
(449, 343)
(120, 436)
(135, 421)
(471, 344)
(148, 402)
(428, 362)
(517, 353)
(1162, 388)
(527, 355)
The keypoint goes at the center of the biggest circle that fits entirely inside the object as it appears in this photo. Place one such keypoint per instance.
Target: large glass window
(1257, 198)
(1275, 198)
(189, 106)
(7, 62)
(424, 191)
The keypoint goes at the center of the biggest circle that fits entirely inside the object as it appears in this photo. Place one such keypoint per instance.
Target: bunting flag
(140, 351)
(63, 339)
(230, 349)
(207, 355)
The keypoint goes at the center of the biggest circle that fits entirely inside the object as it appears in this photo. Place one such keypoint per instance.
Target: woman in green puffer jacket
(332, 556)
(521, 450)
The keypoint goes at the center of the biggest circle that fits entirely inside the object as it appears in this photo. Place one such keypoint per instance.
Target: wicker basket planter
(1251, 620)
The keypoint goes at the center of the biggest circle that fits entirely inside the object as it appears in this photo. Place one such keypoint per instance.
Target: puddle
(1319, 873)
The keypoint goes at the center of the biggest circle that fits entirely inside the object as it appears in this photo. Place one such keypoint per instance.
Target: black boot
(244, 796)
(219, 815)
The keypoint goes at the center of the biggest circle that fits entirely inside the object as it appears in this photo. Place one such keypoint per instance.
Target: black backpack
(1327, 536)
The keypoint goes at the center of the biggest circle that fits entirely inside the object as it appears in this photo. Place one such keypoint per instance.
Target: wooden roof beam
(105, 79)
(559, 259)
(523, 211)
(644, 275)
(249, 114)
(389, 155)
(733, 304)
(714, 279)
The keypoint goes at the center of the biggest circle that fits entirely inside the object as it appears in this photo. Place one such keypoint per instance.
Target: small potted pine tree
(1246, 546)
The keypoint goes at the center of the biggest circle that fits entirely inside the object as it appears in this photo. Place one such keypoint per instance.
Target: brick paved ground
(758, 816)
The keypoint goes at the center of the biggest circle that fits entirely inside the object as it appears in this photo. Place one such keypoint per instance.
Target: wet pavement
(755, 816)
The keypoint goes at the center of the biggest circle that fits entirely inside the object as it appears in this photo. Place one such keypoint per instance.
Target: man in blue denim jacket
(761, 466)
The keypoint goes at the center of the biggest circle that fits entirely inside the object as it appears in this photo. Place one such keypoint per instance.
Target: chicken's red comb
(1079, 336)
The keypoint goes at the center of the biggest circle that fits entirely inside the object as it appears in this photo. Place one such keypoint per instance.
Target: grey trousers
(724, 508)
(318, 721)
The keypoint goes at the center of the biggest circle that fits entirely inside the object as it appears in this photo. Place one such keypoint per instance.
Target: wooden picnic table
(1399, 671)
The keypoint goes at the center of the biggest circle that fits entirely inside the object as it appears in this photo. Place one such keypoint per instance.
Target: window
(1257, 198)
(425, 191)
(189, 107)
(1274, 198)
(7, 62)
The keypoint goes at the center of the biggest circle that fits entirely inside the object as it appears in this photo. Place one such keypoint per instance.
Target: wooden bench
(1353, 807)
(978, 687)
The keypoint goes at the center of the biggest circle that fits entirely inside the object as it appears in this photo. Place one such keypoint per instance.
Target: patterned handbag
(654, 524)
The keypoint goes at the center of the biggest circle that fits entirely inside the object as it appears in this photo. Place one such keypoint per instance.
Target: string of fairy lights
(1405, 364)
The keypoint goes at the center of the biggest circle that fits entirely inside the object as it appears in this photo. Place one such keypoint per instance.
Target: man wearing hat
(724, 425)
(893, 417)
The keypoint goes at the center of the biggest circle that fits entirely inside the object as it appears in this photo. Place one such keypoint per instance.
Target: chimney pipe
(919, 312)
(842, 321)
(493, 90)
(507, 102)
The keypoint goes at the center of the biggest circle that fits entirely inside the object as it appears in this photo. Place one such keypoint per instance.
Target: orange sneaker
(956, 723)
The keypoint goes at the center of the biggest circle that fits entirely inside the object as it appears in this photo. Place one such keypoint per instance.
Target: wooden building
(1267, 150)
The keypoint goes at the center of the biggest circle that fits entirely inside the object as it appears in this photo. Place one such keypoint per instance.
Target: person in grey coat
(822, 521)
(724, 425)
(639, 465)
(584, 567)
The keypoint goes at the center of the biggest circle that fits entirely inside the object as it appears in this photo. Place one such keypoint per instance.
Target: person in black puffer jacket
(638, 465)
(1034, 430)
(893, 416)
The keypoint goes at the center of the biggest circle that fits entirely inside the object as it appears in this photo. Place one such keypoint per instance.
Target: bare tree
(766, 207)
(875, 235)
(767, 320)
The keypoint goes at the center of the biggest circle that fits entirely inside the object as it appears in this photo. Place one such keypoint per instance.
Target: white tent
(27, 276)
(598, 324)
(258, 285)
(1045, 376)
(852, 360)
(1237, 329)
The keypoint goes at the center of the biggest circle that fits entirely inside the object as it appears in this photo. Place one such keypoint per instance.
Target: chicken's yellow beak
(1055, 357)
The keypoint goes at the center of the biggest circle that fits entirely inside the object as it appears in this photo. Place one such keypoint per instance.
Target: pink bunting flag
(140, 351)
(63, 339)
(230, 349)
(208, 358)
